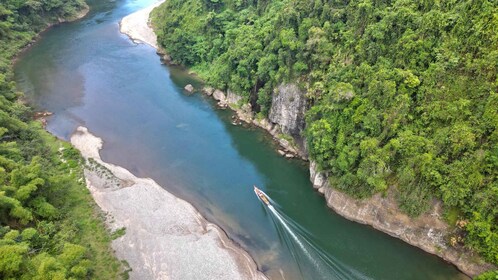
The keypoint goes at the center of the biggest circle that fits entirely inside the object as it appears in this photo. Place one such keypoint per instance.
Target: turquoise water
(89, 74)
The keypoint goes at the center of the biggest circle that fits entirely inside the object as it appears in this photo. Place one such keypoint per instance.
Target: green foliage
(482, 237)
(48, 225)
(20, 21)
(491, 275)
(11, 258)
(402, 94)
(118, 233)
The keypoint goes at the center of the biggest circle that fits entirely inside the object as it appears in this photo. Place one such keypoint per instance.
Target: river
(89, 74)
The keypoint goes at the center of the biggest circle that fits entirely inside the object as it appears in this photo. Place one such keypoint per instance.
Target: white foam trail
(326, 265)
(294, 236)
(320, 258)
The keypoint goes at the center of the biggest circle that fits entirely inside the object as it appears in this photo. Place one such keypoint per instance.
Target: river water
(89, 74)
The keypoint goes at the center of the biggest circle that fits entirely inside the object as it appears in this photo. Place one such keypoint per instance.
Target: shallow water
(89, 74)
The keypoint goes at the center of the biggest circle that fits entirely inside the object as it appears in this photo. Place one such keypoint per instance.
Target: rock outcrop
(288, 112)
(208, 91)
(219, 95)
(288, 109)
(230, 99)
(189, 88)
(221, 98)
(284, 121)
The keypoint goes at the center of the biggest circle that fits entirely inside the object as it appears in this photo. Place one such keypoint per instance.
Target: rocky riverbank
(163, 237)
(428, 231)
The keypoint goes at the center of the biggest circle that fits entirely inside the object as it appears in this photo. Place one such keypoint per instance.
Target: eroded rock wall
(288, 109)
(428, 231)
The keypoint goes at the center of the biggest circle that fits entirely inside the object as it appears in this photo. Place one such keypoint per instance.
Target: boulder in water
(189, 88)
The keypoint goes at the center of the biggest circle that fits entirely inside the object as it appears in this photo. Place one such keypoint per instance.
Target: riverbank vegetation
(403, 95)
(49, 226)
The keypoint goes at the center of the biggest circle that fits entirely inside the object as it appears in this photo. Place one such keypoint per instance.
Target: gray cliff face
(286, 115)
(428, 231)
(288, 109)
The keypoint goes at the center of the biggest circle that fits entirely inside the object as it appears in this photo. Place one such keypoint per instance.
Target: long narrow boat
(262, 196)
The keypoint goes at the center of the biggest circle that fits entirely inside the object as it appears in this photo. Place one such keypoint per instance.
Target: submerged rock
(42, 114)
(189, 88)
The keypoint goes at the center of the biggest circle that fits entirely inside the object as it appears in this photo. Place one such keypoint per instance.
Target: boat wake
(304, 251)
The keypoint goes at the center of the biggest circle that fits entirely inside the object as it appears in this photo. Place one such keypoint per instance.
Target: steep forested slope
(48, 225)
(402, 94)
